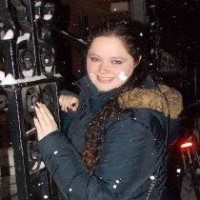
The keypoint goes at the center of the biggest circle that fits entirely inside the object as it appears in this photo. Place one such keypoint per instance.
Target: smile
(105, 79)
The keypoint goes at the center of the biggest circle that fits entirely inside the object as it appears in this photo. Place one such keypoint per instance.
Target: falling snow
(45, 197)
(39, 184)
(55, 152)
(114, 186)
(117, 181)
(152, 178)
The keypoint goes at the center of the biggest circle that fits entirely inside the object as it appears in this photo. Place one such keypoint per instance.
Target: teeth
(104, 79)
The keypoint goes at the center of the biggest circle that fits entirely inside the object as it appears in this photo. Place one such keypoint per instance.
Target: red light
(186, 145)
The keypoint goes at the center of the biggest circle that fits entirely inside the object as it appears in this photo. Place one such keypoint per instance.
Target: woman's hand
(44, 121)
(68, 102)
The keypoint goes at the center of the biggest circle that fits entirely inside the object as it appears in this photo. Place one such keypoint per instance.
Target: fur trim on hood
(163, 99)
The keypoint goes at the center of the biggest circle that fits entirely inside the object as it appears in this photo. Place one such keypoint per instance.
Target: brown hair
(132, 35)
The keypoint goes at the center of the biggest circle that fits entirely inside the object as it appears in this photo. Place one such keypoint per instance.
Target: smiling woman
(108, 63)
(114, 137)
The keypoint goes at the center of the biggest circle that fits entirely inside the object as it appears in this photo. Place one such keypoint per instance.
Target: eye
(117, 62)
(94, 59)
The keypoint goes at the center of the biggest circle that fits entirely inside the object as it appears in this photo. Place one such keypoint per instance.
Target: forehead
(108, 44)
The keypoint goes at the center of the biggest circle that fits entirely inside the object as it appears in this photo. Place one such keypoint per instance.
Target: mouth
(105, 80)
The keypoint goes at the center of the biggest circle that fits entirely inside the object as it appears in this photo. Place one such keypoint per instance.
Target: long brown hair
(133, 37)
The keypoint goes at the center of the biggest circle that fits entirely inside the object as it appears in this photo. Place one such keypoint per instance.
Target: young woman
(114, 139)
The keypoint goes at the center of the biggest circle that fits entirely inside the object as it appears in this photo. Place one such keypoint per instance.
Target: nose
(102, 68)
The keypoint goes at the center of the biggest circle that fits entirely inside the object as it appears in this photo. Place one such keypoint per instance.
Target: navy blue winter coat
(133, 158)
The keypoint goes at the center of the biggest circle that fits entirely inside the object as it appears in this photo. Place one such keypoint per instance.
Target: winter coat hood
(162, 98)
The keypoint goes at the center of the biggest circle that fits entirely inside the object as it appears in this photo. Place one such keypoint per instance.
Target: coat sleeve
(127, 160)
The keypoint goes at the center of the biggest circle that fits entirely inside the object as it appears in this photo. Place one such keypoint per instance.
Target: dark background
(177, 29)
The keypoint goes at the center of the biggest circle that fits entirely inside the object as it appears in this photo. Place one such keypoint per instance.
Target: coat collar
(91, 96)
(150, 95)
(89, 90)
(162, 98)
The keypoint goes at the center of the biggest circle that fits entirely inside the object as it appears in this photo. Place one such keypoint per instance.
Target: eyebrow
(121, 58)
(93, 54)
(112, 57)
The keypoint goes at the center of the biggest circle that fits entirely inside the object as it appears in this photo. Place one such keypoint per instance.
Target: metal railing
(30, 76)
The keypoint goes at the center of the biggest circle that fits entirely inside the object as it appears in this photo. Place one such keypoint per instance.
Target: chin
(105, 89)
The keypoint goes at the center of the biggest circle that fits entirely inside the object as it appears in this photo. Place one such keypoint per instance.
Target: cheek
(90, 69)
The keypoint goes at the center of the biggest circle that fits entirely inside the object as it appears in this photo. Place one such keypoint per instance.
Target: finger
(51, 120)
(74, 105)
(38, 127)
(68, 102)
(48, 123)
(41, 115)
(60, 99)
(65, 104)
(72, 101)
(63, 101)
(38, 113)
(48, 116)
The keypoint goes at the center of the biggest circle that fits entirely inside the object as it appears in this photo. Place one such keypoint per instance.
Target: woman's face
(109, 64)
